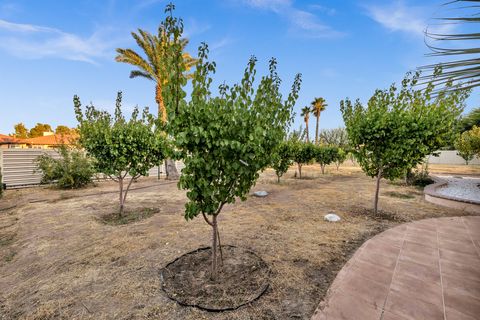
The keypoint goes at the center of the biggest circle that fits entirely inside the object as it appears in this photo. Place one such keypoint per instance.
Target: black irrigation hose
(103, 193)
(8, 208)
(210, 309)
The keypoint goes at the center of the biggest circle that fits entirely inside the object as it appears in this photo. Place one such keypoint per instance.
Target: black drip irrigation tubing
(102, 193)
(211, 309)
(8, 208)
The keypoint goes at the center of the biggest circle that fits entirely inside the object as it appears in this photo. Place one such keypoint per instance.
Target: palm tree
(467, 68)
(306, 116)
(318, 105)
(154, 66)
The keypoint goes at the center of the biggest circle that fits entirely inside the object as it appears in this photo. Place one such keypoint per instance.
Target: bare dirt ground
(58, 261)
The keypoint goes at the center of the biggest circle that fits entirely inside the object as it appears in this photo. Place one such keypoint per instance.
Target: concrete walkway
(429, 269)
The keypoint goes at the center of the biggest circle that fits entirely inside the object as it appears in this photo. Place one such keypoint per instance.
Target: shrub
(72, 170)
(302, 153)
(282, 159)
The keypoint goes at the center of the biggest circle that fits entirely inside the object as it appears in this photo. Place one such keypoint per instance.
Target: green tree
(120, 147)
(39, 129)
(156, 65)
(166, 63)
(20, 131)
(63, 130)
(318, 106)
(282, 159)
(468, 144)
(340, 158)
(325, 155)
(400, 127)
(227, 140)
(306, 116)
(469, 120)
(334, 137)
(302, 153)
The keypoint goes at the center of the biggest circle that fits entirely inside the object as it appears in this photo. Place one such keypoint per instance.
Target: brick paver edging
(427, 269)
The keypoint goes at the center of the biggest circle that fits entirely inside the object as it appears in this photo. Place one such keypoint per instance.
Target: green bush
(282, 159)
(72, 170)
(419, 177)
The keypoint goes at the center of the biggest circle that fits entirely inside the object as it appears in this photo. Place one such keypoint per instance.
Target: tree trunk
(278, 178)
(300, 170)
(306, 129)
(316, 129)
(213, 275)
(375, 203)
(120, 183)
(171, 170)
(162, 111)
(337, 164)
(323, 168)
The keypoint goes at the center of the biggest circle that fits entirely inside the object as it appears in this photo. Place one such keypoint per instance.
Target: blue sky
(53, 49)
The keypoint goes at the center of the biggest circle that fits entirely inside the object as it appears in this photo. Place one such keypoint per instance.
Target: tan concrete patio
(429, 269)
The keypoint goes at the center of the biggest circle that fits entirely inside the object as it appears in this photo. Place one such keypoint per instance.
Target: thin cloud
(222, 43)
(399, 17)
(302, 22)
(323, 9)
(36, 42)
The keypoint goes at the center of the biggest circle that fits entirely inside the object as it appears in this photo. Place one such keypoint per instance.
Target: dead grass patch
(67, 265)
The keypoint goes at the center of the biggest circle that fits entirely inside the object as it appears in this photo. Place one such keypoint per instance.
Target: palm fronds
(465, 69)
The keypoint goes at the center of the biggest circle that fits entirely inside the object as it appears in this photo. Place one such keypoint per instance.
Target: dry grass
(59, 262)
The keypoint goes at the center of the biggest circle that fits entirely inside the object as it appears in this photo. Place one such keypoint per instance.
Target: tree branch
(206, 219)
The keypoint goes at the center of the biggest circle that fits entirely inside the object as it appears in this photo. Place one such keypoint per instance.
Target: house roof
(4, 139)
(54, 140)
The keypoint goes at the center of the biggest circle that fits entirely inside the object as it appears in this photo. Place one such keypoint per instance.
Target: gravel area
(467, 188)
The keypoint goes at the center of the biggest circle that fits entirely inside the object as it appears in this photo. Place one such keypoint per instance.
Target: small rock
(260, 194)
(331, 217)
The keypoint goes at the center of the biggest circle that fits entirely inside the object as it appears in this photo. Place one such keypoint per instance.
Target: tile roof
(4, 139)
(54, 139)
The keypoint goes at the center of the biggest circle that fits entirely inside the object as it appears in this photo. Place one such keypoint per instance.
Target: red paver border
(427, 269)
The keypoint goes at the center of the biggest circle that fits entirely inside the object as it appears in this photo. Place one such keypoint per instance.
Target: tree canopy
(226, 140)
(119, 146)
(399, 127)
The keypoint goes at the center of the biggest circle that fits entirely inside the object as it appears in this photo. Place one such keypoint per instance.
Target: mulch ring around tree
(243, 278)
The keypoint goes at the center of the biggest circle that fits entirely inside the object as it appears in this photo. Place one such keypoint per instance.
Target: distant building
(49, 140)
(7, 142)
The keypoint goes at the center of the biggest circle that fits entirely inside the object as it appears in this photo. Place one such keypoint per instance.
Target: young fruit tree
(226, 140)
(340, 157)
(302, 153)
(398, 128)
(325, 155)
(120, 147)
(468, 144)
(282, 159)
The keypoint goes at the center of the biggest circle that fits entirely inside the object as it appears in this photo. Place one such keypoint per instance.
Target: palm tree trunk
(170, 168)
(306, 129)
(316, 129)
(162, 111)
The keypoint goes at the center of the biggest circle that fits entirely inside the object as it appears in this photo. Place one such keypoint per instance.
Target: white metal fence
(19, 168)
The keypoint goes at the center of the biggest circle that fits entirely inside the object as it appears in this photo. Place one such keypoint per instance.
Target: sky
(51, 50)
